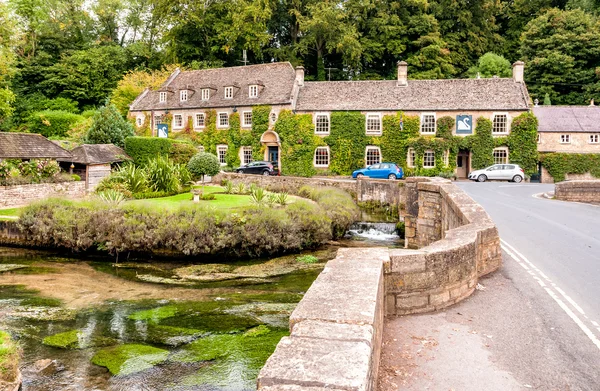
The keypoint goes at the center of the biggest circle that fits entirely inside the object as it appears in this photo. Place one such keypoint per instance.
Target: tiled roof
(580, 119)
(97, 154)
(29, 146)
(418, 95)
(275, 81)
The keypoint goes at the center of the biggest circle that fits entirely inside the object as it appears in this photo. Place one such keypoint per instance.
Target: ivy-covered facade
(268, 112)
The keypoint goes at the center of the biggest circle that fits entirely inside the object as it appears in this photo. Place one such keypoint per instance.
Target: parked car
(381, 170)
(502, 172)
(258, 167)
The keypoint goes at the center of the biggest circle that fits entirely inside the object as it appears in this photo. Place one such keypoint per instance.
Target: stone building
(237, 89)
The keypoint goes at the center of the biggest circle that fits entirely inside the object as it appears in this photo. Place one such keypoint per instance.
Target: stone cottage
(237, 89)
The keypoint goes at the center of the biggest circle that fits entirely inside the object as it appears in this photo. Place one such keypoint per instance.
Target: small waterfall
(374, 231)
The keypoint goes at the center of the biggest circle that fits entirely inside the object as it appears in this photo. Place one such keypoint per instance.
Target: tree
(490, 65)
(108, 127)
(547, 101)
(204, 163)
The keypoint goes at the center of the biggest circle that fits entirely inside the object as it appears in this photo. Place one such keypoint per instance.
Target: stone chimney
(300, 75)
(402, 74)
(518, 70)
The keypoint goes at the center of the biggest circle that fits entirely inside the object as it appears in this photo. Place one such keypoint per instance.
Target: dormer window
(183, 95)
(205, 94)
(228, 93)
(253, 91)
(162, 97)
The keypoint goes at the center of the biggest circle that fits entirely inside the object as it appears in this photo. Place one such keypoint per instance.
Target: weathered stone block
(439, 298)
(334, 331)
(405, 302)
(407, 261)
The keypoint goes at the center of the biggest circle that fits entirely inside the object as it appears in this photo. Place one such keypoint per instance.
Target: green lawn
(9, 214)
(222, 201)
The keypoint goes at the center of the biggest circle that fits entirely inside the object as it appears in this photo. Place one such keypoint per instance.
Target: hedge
(53, 123)
(142, 149)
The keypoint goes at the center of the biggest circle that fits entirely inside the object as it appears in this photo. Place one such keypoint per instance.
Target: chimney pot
(300, 75)
(518, 70)
(402, 74)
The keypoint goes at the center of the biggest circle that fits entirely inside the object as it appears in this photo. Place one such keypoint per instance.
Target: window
(594, 138)
(157, 120)
(410, 158)
(178, 121)
(247, 118)
(221, 154)
(246, 155)
(500, 156)
(373, 156)
(200, 120)
(429, 159)
(162, 97)
(223, 120)
(428, 123)
(183, 95)
(228, 92)
(139, 121)
(500, 123)
(373, 124)
(205, 94)
(253, 91)
(322, 157)
(565, 138)
(322, 123)
(273, 117)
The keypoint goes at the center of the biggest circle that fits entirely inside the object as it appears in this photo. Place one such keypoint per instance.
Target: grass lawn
(222, 201)
(9, 214)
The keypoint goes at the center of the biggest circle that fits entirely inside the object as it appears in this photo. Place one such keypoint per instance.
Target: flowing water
(153, 324)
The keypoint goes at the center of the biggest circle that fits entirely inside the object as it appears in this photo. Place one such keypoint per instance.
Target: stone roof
(275, 81)
(29, 146)
(578, 119)
(417, 95)
(97, 154)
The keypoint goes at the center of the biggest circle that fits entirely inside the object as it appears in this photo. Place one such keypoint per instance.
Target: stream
(88, 324)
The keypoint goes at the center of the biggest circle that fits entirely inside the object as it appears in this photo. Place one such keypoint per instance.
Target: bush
(142, 149)
(108, 127)
(53, 123)
(9, 358)
(204, 164)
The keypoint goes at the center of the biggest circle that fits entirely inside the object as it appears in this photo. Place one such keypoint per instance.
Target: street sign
(163, 130)
(464, 124)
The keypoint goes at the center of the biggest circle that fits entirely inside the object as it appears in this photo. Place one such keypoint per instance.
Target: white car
(501, 172)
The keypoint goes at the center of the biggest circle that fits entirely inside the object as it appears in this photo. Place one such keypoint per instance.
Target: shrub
(111, 197)
(109, 127)
(258, 196)
(228, 187)
(53, 123)
(203, 164)
(208, 197)
(163, 174)
(143, 149)
(75, 177)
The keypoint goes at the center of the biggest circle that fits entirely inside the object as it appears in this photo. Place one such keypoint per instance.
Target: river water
(151, 324)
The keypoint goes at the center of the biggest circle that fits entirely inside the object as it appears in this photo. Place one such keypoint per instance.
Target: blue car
(380, 171)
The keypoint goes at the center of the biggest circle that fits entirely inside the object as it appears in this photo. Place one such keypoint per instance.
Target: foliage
(142, 149)
(347, 142)
(522, 142)
(489, 65)
(481, 144)
(547, 101)
(444, 127)
(111, 197)
(203, 164)
(258, 196)
(53, 123)
(108, 127)
(307, 259)
(14, 172)
(66, 340)
(9, 358)
(298, 143)
(561, 164)
(164, 175)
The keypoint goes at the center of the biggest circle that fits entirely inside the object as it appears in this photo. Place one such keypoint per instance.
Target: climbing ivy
(481, 144)
(522, 142)
(561, 164)
(347, 142)
(444, 127)
(260, 124)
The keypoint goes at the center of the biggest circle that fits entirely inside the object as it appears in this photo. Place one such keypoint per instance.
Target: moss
(66, 340)
(131, 358)
(171, 335)
(307, 259)
(42, 302)
(155, 314)
(9, 358)
(10, 267)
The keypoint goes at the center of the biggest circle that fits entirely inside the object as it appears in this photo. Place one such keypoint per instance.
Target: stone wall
(24, 194)
(547, 178)
(579, 190)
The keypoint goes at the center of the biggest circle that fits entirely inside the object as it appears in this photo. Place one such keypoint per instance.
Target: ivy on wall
(347, 142)
(561, 164)
(522, 142)
(211, 136)
(481, 144)
(260, 124)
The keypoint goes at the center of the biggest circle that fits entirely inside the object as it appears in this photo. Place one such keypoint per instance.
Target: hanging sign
(163, 130)
(464, 124)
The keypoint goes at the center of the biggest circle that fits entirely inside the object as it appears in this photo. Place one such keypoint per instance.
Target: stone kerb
(336, 329)
(578, 191)
(24, 194)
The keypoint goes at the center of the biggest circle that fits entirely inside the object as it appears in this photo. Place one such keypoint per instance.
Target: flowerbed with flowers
(17, 172)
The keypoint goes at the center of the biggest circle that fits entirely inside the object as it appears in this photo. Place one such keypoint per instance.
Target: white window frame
(183, 96)
(594, 139)
(228, 93)
(219, 123)
(328, 157)
(374, 148)
(157, 119)
(253, 91)
(410, 157)
(244, 123)
(507, 128)
(222, 148)
(273, 117)
(423, 115)
(316, 117)
(376, 132)
(162, 97)
(197, 123)
(243, 155)
(175, 117)
(500, 149)
(205, 93)
(565, 139)
(139, 120)
(432, 152)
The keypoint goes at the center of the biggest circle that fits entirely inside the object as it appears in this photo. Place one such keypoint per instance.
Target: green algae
(307, 259)
(130, 358)
(155, 314)
(172, 336)
(8, 267)
(41, 302)
(66, 340)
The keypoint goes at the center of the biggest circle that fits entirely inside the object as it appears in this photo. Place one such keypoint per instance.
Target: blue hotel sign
(163, 130)
(464, 124)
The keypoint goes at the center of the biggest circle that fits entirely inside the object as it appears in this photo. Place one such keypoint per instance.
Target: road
(534, 324)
